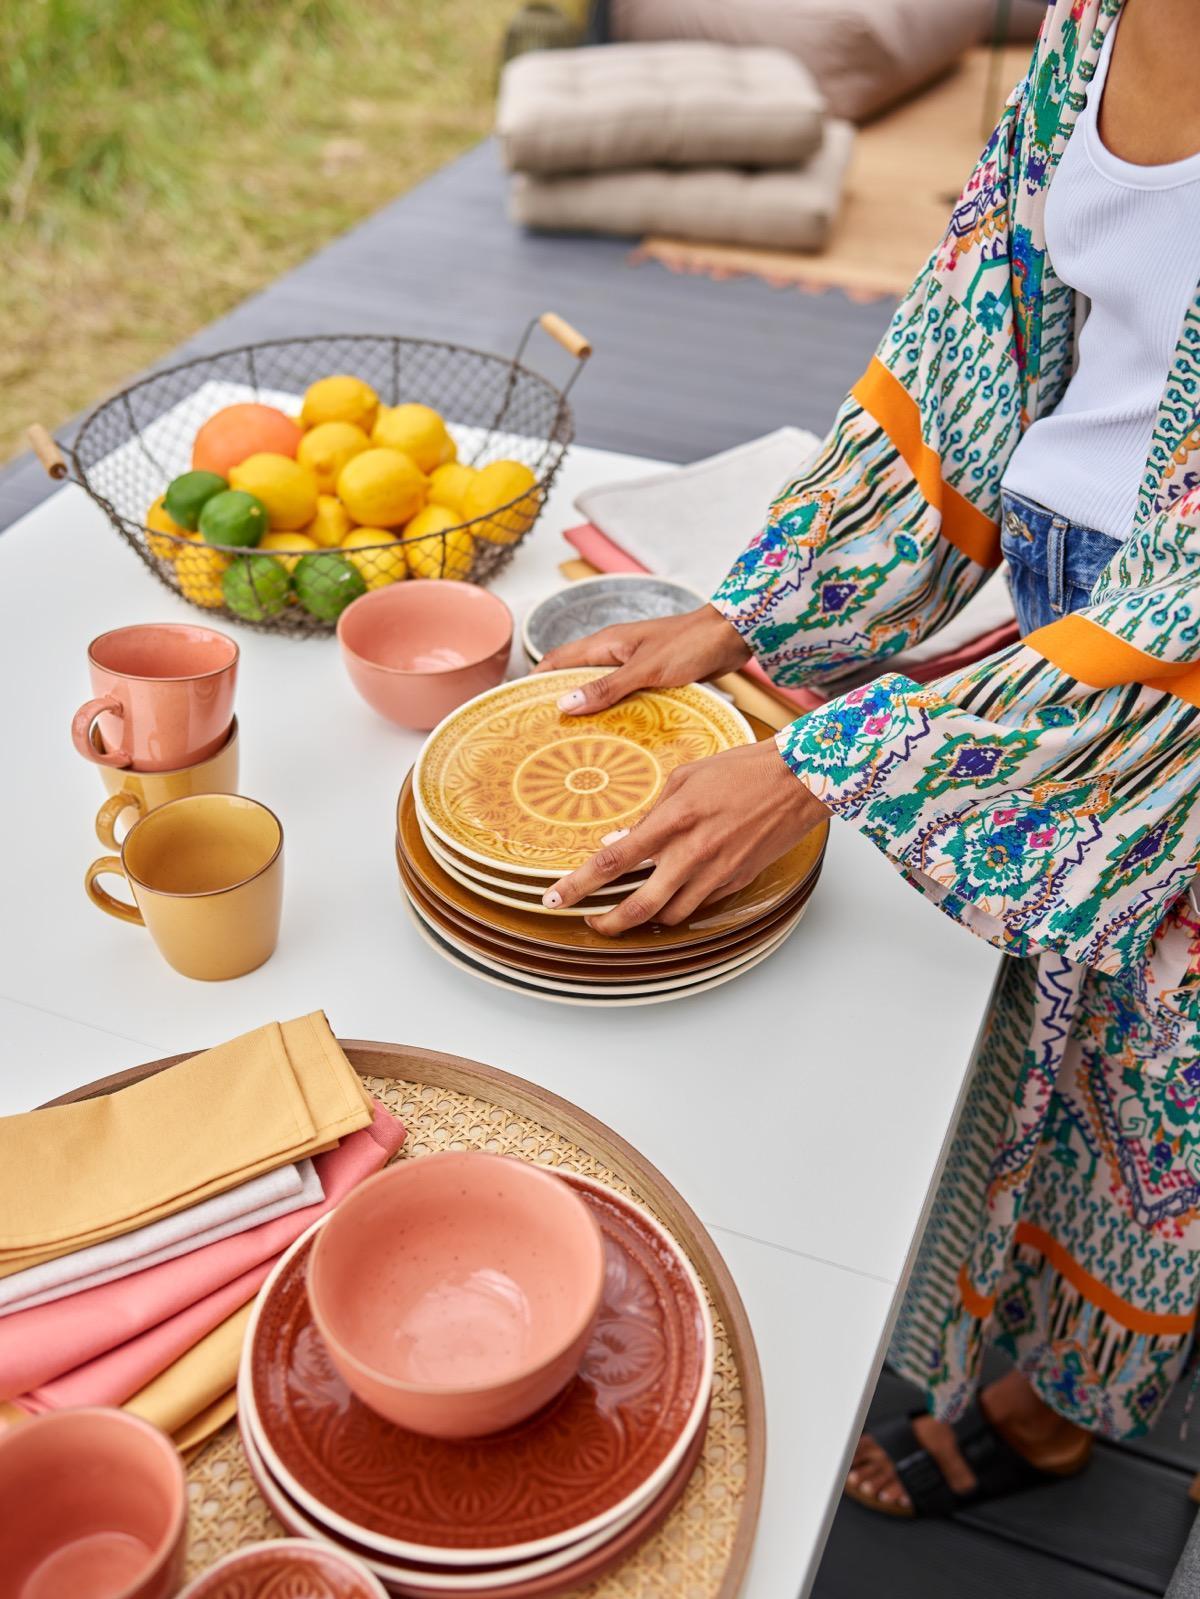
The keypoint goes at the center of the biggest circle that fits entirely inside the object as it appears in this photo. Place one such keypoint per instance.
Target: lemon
(377, 567)
(287, 548)
(330, 524)
(160, 520)
(448, 484)
(200, 571)
(494, 486)
(418, 431)
(325, 449)
(438, 552)
(287, 489)
(381, 488)
(340, 399)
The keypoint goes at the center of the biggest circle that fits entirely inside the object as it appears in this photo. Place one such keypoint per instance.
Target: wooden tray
(446, 1102)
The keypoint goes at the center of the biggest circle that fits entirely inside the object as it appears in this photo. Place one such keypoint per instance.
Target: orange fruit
(238, 431)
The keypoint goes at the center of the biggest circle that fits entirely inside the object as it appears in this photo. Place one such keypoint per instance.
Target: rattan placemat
(702, 1549)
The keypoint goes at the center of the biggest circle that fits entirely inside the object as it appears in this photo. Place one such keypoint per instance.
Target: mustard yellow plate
(510, 782)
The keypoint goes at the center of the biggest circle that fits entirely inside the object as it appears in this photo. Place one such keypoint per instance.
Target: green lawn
(162, 159)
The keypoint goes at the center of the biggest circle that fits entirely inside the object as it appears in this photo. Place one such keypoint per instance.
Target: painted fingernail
(571, 701)
(611, 838)
(552, 899)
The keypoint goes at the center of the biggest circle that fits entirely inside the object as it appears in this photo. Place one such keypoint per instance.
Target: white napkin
(691, 522)
(275, 1193)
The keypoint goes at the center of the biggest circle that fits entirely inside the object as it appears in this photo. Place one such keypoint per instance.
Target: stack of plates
(542, 1509)
(509, 794)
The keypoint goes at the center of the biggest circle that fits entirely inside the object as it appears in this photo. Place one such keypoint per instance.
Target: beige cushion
(784, 208)
(640, 105)
(863, 53)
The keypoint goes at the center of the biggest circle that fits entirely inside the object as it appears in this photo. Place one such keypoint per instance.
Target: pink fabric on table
(46, 1342)
(598, 550)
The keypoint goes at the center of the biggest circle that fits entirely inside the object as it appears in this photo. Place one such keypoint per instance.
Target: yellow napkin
(73, 1175)
(195, 1382)
(191, 1438)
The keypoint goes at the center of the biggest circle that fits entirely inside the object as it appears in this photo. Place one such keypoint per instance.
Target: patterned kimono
(1045, 798)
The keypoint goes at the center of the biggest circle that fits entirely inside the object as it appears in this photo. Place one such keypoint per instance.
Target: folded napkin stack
(136, 1227)
(724, 143)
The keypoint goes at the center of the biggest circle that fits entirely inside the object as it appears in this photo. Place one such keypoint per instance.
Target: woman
(1045, 797)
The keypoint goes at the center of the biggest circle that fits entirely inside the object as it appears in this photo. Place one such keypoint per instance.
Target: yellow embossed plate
(511, 782)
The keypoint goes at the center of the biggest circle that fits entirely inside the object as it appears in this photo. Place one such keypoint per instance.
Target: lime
(326, 583)
(233, 517)
(188, 494)
(255, 587)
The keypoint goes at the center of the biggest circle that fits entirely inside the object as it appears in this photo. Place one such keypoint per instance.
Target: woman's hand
(659, 654)
(718, 823)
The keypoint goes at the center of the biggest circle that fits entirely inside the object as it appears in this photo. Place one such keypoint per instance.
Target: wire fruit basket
(130, 448)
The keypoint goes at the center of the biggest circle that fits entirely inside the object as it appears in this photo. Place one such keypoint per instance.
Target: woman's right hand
(665, 653)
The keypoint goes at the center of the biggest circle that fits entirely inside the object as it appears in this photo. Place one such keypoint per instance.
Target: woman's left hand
(717, 824)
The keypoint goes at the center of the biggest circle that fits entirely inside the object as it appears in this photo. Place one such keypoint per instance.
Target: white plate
(461, 875)
(514, 987)
(622, 885)
(432, 1553)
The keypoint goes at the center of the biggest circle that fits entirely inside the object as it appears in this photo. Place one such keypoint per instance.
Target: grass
(162, 159)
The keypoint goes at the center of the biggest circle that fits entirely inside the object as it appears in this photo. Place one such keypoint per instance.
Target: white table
(801, 1110)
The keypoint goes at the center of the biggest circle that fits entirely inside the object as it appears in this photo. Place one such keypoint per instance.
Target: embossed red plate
(612, 1439)
(286, 1568)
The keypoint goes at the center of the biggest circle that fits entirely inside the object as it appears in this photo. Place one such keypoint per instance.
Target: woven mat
(908, 168)
(687, 1558)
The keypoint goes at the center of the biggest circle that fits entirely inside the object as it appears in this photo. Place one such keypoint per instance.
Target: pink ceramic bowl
(93, 1504)
(417, 650)
(456, 1294)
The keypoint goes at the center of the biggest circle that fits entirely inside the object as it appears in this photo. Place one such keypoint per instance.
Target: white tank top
(1128, 237)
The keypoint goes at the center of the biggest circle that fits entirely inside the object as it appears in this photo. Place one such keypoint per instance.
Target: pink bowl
(93, 1504)
(417, 650)
(456, 1294)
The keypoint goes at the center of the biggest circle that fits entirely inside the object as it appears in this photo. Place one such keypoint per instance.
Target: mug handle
(81, 732)
(109, 815)
(101, 897)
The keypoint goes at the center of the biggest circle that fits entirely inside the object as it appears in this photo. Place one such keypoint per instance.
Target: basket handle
(47, 451)
(559, 329)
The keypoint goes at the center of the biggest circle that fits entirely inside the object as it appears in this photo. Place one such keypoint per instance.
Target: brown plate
(286, 1568)
(555, 1574)
(769, 890)
(599, 968)
(617, 1431)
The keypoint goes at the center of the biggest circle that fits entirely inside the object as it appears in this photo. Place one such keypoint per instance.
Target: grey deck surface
(683, 367)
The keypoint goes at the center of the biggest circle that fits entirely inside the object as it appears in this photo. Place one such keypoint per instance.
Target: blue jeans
(1053, 563)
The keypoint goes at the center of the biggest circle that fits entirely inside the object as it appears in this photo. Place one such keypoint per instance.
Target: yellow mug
(206, 874)
(142, 792)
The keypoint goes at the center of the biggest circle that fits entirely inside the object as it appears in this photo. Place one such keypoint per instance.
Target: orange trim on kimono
(1086, 651)
(1095, 1292)
(881, 393)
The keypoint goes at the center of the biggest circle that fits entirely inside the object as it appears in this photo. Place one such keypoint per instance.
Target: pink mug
(164, 696)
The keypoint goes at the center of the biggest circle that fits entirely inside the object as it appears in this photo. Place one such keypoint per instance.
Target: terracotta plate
(591, 968)
(643, 983)
(769, 890)
(517, 985)
(481, 1579)
(617, 1432)
(510, 781)
(286, 1568)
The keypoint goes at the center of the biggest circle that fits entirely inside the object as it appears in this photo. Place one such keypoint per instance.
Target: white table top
(801, 1110)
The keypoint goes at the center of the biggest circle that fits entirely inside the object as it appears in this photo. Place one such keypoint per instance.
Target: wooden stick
(570, 338)
(47, 451)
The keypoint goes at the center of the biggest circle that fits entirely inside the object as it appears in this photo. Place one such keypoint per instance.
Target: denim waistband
(1054, 562)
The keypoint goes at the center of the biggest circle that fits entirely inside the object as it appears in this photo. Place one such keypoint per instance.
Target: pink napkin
(599, 551)
(114, 1321)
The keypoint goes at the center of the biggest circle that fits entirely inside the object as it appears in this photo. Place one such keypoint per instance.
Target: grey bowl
(595, 602)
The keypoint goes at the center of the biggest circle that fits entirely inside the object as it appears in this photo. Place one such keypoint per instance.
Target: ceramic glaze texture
(456, 1295)
(583, 608)
(512, 782)
(286, 1569)
(134, 794)
(594, 1447)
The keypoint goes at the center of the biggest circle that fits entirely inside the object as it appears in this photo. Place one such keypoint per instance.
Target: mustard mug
(142, 792)
(206, 875)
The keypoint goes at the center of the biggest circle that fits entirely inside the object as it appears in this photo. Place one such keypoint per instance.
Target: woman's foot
(1039, 1435)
